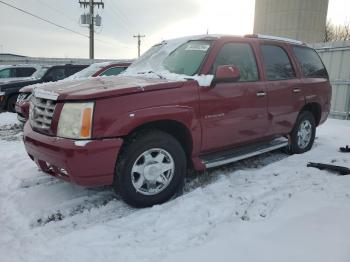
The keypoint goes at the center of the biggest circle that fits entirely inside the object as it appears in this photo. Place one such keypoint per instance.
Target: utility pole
(91, 21)
(139, 42)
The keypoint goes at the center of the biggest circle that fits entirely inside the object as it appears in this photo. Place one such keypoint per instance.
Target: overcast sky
(157, 19)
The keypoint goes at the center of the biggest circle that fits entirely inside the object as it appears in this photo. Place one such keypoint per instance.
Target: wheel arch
(315, 109)
(172, 127)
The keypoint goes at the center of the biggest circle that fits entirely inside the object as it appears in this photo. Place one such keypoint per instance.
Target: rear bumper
(85, 163)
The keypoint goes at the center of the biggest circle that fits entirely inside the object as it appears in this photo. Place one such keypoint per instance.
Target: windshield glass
(178, 57)
(187, 59)
(40, 72)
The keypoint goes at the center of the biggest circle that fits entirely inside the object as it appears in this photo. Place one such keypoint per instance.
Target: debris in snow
(338, 169)
(345, 149)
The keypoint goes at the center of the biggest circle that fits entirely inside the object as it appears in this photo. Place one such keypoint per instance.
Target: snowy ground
(268, 208)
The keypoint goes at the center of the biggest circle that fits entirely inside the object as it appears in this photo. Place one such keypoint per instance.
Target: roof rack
(277, 38)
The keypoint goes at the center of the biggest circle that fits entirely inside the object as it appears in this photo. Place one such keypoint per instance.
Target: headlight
(76, 120)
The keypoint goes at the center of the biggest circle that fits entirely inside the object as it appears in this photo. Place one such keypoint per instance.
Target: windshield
(40, 72)
(182, 57)
(187, 59)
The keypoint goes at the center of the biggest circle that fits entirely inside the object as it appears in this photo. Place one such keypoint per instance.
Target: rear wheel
(151, 169)
(303, 134)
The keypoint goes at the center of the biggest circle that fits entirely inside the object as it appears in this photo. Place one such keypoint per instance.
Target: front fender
(127, 122)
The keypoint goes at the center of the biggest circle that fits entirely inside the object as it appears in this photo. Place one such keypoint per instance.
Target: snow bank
(270, 208)
(7, 118)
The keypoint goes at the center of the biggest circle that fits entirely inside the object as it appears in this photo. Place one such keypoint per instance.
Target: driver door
(234, 113)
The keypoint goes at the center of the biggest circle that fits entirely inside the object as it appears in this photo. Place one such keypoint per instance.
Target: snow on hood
(100, 87)
(152, 60)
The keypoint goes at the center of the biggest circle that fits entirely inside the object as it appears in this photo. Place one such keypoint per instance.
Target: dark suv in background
(10, 91)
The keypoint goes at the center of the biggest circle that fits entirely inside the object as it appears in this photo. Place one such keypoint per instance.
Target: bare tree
(337, 32)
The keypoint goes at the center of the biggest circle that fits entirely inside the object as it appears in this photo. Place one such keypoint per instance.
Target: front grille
(41, 112)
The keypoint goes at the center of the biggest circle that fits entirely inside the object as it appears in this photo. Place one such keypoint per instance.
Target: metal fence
(336, 57)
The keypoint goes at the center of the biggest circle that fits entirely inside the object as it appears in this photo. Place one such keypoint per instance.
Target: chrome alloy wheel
(304, 134)
(152, 171)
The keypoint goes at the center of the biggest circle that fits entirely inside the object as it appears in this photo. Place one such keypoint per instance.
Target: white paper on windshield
(197, 47)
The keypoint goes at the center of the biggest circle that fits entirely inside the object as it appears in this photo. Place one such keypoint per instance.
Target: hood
(100, 87)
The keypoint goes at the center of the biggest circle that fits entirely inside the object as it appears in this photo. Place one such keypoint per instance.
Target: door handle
(260, 93)
(296, 90)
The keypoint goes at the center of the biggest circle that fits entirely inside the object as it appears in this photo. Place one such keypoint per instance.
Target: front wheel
(303, 135)
(11, 104)
(151, 169)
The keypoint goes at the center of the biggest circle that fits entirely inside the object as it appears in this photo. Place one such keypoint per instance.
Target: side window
(241, 55)
(72, 70)
(25, 71)
(113, 71)
(55, 74)
(6, 73)
(310, 62)
(277, 63)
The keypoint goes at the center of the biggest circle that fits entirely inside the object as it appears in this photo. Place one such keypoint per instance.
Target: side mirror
(227, 73)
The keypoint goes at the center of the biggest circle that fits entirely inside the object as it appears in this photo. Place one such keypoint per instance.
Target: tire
(11, 103)
(140, 169)
(303, 134)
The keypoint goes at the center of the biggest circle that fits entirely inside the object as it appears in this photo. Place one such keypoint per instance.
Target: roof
(249, 36)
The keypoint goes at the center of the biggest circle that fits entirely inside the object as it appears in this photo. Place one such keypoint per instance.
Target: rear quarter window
(277, 63)
(310, 62)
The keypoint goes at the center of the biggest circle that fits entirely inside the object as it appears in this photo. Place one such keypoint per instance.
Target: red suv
(195, 102)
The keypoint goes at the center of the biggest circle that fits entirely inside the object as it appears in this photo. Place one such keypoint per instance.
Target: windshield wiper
(152, 72)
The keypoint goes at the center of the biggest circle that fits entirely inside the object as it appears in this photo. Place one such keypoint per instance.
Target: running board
(233, 155)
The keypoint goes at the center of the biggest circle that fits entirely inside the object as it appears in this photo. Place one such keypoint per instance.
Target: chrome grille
(41, 112)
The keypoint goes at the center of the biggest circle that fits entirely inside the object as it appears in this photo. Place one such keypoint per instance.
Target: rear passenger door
(284, 91)
(234, 113)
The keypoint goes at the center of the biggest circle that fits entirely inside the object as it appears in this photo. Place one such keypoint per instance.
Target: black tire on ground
(11, 102)
(134, 147)
(297, 145)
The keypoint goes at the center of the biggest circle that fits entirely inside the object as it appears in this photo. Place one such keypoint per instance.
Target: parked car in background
(102, 69)
(94, 70)
(9, 73)
(196, 102)
(10, 91)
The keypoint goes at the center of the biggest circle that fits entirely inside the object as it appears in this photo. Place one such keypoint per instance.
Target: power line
(56, 10)
(43, 19)
(57, 25)
(119, 16)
